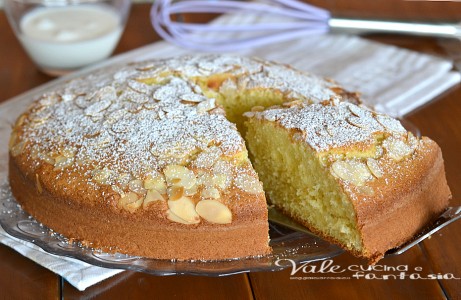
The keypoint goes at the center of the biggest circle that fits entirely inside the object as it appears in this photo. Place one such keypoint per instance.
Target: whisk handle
(357, 26)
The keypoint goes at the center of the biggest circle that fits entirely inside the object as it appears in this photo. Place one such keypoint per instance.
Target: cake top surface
(147, 115)
(122, 127)
(332, 124)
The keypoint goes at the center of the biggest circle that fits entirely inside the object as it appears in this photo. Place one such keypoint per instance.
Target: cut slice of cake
(353, 176)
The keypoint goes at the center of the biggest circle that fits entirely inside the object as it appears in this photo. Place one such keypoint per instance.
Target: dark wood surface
(20, 278)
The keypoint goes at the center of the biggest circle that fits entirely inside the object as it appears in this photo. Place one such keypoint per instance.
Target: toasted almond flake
(248, 183)
(151, 197)
(124, 179)
(412, 141)
(184, 208)
(130, 201)
(118, 190)
(210, 193)
(191, 191)
(357, 122)
(62, 162)
(396, 148)
(192, 98)
(46, 158)
(18, 148)
(101, 175)
(206, 105)
(34, 153)
(214, 211)
(155, 181)
(20, 121)
(389, 123)
(353, 171)
(136, 186)
(221, 181)
(365, 190)
(172, 217)
(175, 192)
(374, 167)
(69, 151)
(186, 177)
(96, 108)
(205, 179)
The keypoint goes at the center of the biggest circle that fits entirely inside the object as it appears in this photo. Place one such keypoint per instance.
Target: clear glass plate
(286, 244)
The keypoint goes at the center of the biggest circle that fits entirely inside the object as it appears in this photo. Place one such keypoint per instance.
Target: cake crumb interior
(312, 194)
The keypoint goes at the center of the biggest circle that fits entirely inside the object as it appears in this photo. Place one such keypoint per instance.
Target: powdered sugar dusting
(118, 122)
(143, 116)
(332, 125)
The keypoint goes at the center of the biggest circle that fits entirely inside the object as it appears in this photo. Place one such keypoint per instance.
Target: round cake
(148, 158)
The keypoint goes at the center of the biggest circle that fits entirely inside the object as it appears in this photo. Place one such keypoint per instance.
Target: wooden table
(21, 278)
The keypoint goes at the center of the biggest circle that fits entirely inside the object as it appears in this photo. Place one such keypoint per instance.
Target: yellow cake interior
(312, 194)
(236, 101)
(296, 182)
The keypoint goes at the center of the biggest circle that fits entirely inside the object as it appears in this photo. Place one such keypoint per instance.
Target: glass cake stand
(286, 244)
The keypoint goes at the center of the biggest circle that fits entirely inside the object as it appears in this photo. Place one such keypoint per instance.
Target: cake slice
(355, 177)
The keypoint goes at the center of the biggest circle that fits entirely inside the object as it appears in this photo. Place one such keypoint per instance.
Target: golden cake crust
(99, 226)
(142, 160)
(395, 181)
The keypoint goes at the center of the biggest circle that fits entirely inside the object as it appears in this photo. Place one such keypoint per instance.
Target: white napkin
(79, 274)
(393, 80)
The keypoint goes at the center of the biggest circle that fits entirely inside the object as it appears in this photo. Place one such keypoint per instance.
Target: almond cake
(148, 159)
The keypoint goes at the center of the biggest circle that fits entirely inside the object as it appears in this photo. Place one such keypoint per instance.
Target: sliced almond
(62, 162)
(396, 148)
(175, 192)
(356, 110)
(192, 98)
(379, 152)
(365, 190)
(34, 153)
(136, 186)
(214, 211)
(155, 181)
(172, 217)
(190, 192)
(96, 108)
(390, 124)
(210, 193)
(151, 197)
(179, 175)
(46, 158)
(353, 171)
(184, 208)
(101, 175)
(248, 183)
(131, 201)
(357, 122)
(206, 105)
(69, 151)
(18, 148)
(124, 179)
(205, 179)
(221, 181)
(41, 116)
(412, 141)
(118, 190)
(374, 167)
(20, 121)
